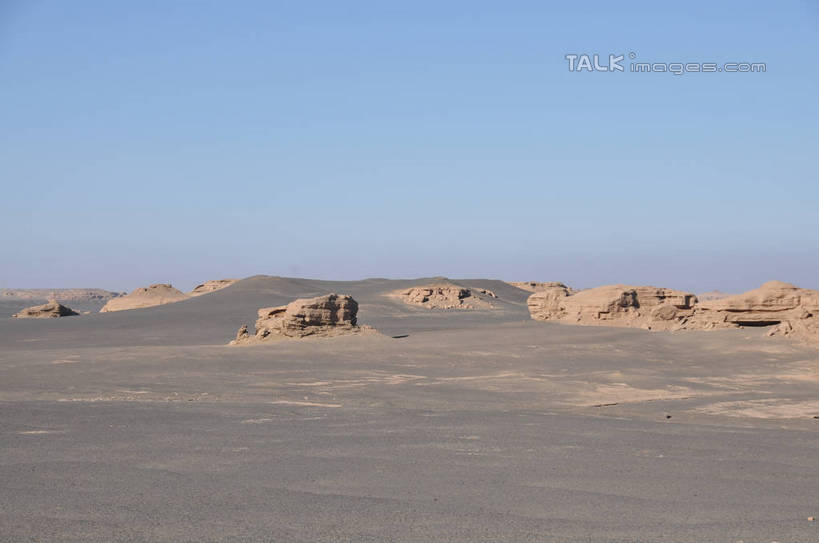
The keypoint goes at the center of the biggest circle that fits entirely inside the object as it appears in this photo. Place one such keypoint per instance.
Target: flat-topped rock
(322, 316)
(157, 294)
(50, 310)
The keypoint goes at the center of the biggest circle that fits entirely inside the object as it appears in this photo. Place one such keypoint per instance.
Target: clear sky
(161, 141)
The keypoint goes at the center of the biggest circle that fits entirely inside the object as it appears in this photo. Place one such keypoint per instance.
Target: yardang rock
(322, 316)
(51, 310)
(446, 296)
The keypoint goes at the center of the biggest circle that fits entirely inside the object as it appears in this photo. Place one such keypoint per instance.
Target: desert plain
(468, 421)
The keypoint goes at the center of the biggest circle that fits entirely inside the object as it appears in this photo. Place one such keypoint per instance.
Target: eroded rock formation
(775, 303)
(211, 286)
(50, 310)
(58, 294)
(446, 296)
(322, 316)
(622, 305)
(153, 295)
(785, 309)
(242, 334)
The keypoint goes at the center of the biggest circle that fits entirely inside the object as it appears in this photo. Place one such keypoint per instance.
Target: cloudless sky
(163, 141)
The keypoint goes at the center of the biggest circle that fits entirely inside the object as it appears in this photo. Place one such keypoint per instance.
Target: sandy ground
(475, 426)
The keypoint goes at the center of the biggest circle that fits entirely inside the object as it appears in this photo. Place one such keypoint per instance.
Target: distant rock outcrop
(446, 296)
(153, 295)
(211, 286)
(322, 316)
(51, 310)
(535, 286)
(58, 294)
(785, 309)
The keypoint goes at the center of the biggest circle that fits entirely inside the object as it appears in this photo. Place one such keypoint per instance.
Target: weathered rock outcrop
(153, 295)
(51, 310)
(785, 309)
(446, 296)
(547, 302)
(58, 294)
(617, 305)
(322, 316)
(211, 286)
(242, 334)
(774, 303)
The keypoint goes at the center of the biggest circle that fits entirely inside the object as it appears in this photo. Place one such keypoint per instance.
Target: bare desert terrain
(460, 418)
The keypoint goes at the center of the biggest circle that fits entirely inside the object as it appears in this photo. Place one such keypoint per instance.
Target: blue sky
(182, 141)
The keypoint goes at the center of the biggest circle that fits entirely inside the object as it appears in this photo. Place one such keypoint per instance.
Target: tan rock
(653, 296)
(50, 310)
(486, 292)
(323, 316)
(547, 303)
(153, 295)
(771, 296)
(600, 303)
(665, 312)
(787, 310)
(242, 334)
(211, 286)
(446, 296)
(618, 305)
(58, 294)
